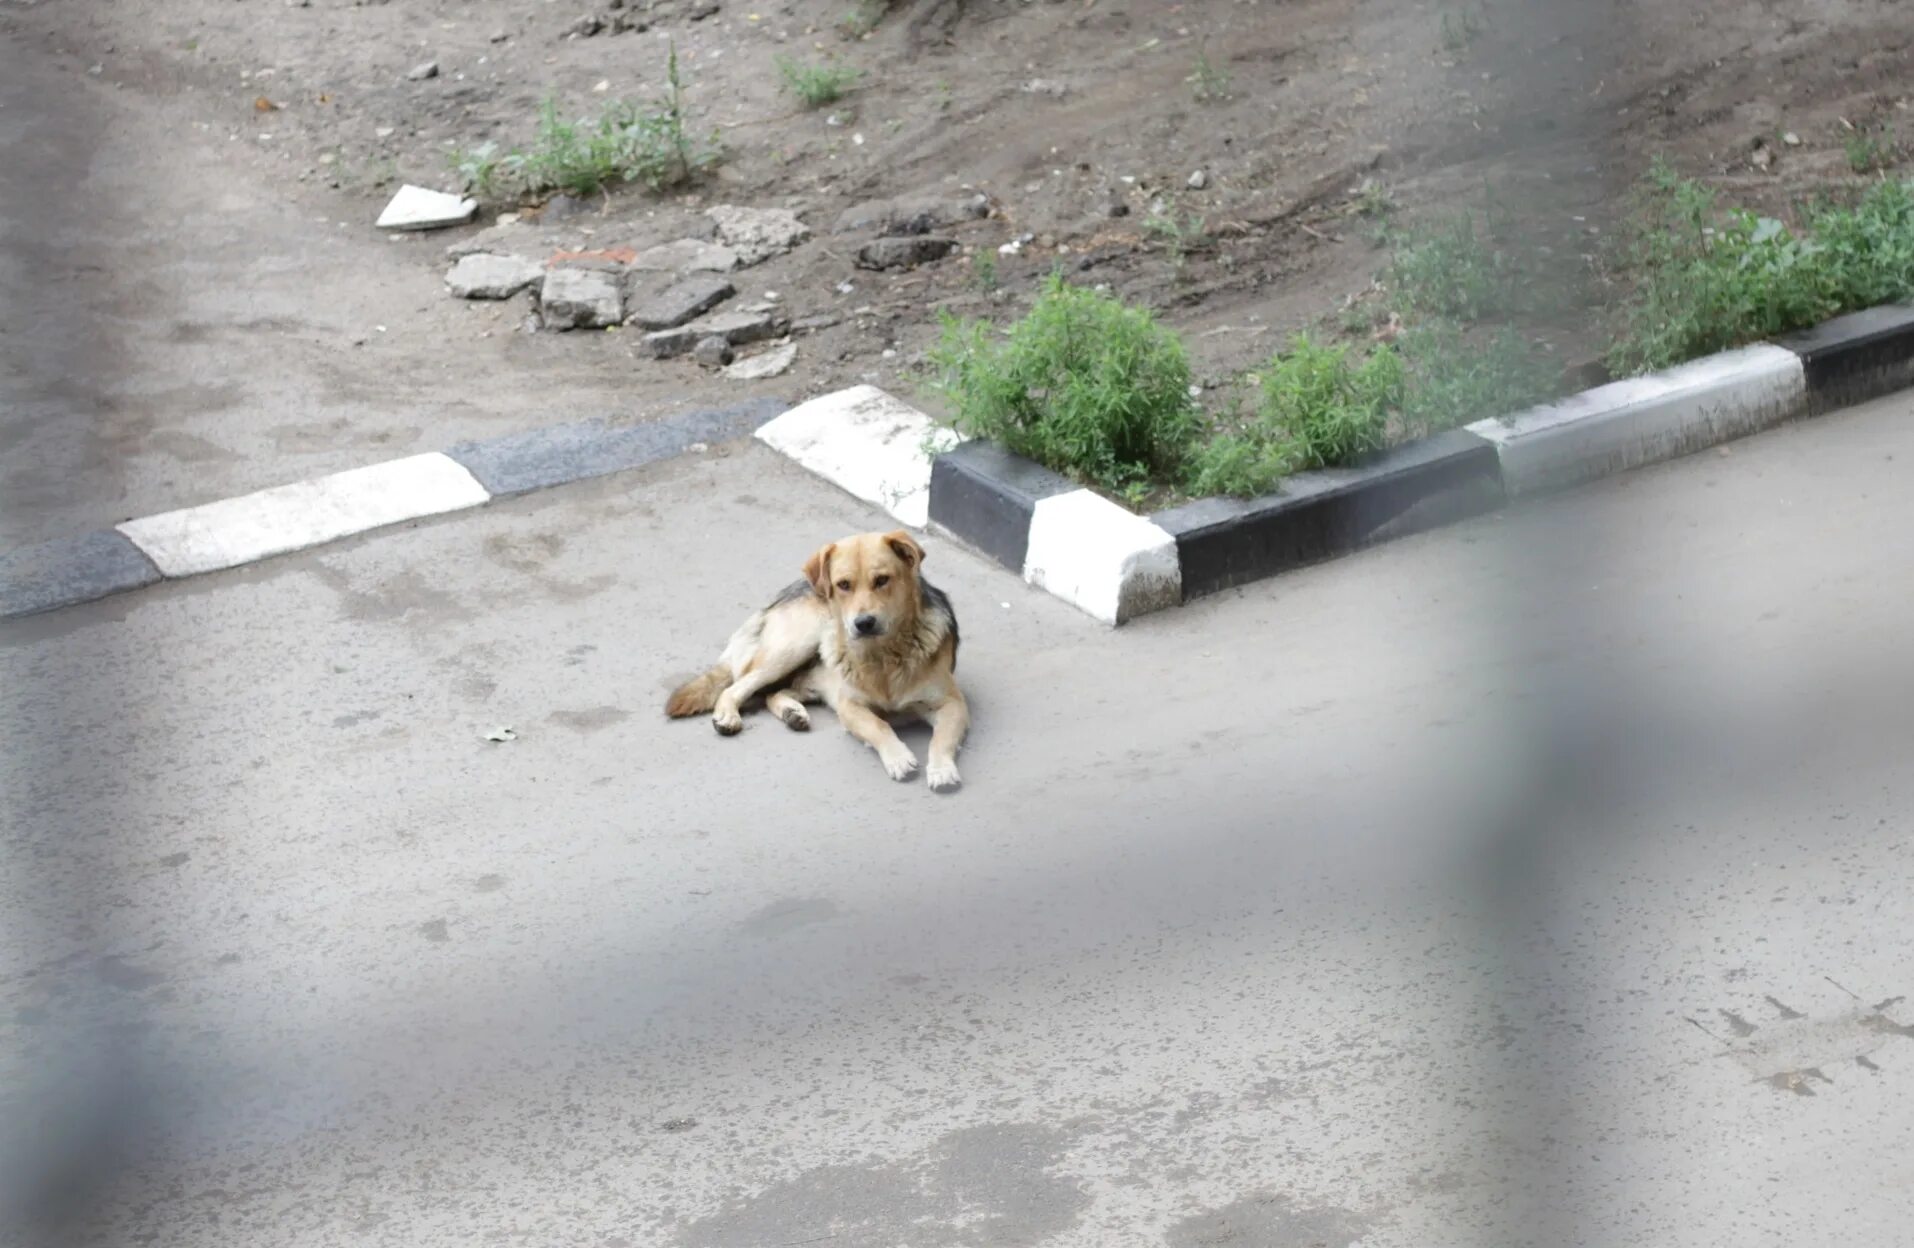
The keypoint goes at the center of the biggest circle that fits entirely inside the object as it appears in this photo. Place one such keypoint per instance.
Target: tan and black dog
(865, 634)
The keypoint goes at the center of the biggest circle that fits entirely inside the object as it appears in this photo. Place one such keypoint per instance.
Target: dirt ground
(197, 302)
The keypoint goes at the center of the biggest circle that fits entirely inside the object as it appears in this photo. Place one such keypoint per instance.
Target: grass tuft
(625, 143)
(817, 85)
(1209, 82)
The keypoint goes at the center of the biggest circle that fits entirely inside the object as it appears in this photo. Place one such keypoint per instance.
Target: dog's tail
(700, 693)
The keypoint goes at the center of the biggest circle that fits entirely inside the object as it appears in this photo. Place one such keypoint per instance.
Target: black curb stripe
(1856, 357)
(537, 459)
(71, 570)
(986, 496)
(1224, 542)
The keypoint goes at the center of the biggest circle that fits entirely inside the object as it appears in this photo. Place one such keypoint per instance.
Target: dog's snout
(866, 625)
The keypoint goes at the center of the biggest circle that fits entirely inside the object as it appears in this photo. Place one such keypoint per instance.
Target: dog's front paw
(942, 775)
(728, 722)
(901, 765)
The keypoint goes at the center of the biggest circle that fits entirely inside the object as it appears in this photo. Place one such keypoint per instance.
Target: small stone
(560, 207)
(1046, 86)
(580, 299)
(1198, 180)
(422, 71)
(416, 208)
(736, 328)
(686, 255)
(757, 233)
(1116, 208)
(585, 27)
(681, 301)
(764, 364)
(916, 215)
(708, 8)
(712, 352)
(624, 22)
(1791, 139)
(485, 276)
(903, 253)
(500, 36)
(815, 324)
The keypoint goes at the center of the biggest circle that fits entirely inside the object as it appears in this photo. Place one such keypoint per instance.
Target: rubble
(574, 298)
(487, 276)
(757, 234)
(903, 253)
(681, 301)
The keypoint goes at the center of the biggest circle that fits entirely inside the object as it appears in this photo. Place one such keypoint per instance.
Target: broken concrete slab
(757, 234)
(736, 328)
(497, 239)
(416, 208)
(681, 301)
(712, 352)
(903, 253)
(686, 255)
(914, 215)
(580, 299)
(486, 276)
(764, 364)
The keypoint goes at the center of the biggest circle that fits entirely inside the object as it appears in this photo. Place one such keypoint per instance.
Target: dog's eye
(845, 586)
(880, 582)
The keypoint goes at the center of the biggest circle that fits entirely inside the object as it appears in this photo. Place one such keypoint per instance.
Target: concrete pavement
(1539, 880)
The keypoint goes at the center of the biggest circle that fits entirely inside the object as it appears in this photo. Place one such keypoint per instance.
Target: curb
(1116, 565)
(233, 532)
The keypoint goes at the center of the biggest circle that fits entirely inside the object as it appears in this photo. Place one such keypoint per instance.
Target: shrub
(1317, 410)
(1449, 381)
(1448, 269)
(1084, 384)
(1707, 279)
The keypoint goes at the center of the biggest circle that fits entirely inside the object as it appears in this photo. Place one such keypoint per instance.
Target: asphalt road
(1542, 880)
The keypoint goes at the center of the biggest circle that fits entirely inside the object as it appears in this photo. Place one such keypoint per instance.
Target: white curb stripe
(1101, 558)
(1642, 420)
(867, 443)
(239, 530)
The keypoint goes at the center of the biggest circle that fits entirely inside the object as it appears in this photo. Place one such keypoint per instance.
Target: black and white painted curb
(1070, 541)
(236, 531)
(1117, 565)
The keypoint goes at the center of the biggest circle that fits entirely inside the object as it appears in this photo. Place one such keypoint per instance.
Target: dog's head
(870, 581)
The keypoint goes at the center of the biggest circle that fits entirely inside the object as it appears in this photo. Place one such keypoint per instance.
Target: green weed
(983, 270)
(625, 143)
(1318, 409)
(1707, 278)
(1450, 380)
(1084, 384)
(1870, 151)
(1450, 269)
(817, 85)
(863, 18)
(1209, 82)
(1179, 234)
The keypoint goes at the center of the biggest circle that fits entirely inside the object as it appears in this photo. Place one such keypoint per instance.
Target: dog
(865, 634)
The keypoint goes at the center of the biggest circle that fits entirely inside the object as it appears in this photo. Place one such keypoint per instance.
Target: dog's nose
(866, 625)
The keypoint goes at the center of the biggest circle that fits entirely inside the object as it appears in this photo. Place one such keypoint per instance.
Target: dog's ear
(906, 547)
(817, 570)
